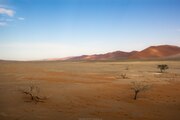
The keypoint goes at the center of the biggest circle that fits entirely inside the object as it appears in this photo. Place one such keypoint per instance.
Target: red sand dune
(157, 52)
(153, 52)
(107, 56)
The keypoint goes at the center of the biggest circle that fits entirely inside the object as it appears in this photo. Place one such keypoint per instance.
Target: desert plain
(89, 90)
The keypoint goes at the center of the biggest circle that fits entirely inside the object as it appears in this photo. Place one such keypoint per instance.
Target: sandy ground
(89, 91)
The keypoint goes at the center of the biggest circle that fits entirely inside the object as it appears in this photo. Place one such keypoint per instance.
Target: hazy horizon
(36, 29)
(75, 55)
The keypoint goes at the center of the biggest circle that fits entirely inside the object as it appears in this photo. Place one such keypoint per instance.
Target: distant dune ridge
(152, 52)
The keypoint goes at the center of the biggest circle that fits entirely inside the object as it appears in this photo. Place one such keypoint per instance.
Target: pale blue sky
(38, 29)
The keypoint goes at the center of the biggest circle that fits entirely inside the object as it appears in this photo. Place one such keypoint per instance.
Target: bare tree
(162, 67)
(33, 93)
(138, 87)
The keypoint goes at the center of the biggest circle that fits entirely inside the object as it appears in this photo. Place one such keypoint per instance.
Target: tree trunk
(135, 95)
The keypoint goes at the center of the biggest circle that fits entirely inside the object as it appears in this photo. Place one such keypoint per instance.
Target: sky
(40, 29)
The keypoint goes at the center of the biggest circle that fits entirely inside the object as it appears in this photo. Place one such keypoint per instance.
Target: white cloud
(8, 12)
(21, 18)
(3, 23)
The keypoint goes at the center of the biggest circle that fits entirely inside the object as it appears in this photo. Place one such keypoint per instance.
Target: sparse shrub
(32, 92)
(162, 67)
(138, 87)
(124, 76)
(127, 68)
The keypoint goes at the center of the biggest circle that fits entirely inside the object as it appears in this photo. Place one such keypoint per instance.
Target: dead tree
(138, 87)
(33, 93)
